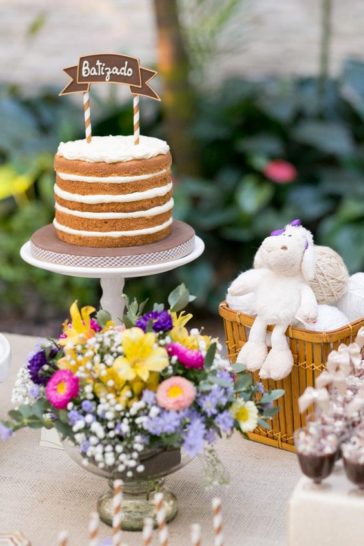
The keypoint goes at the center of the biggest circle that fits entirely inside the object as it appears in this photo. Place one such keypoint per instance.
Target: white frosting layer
(99, 198)
(132, 233)
(111, 149)
(110, 179)
(117, 215)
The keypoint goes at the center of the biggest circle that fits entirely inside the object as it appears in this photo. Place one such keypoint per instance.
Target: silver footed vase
(138, 491)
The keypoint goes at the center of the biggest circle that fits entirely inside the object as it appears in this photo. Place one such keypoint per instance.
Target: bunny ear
(308, 265)
(258, 259)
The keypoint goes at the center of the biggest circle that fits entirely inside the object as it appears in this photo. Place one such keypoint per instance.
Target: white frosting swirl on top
(111, 149)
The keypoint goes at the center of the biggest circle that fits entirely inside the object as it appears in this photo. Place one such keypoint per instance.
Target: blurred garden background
(263, 106)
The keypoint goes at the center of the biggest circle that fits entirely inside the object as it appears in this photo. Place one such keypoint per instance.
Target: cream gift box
(330, 514)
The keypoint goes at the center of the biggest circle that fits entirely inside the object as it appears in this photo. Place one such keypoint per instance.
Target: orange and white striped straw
(87, 116)
(117, 513)
(161, 519)
(196, 534)
(93, 529)
(148, 531)
(217, 522)
(63, 538)
(136, 119)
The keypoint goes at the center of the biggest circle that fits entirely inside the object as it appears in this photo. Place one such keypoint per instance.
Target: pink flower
(188, 357)
(280, 171)
(61, 388)
(175, 393)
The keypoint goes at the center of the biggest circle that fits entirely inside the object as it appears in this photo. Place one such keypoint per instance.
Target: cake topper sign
(110, 68)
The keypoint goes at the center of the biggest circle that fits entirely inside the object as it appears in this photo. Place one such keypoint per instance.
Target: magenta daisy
(61, 388)
(188, 357)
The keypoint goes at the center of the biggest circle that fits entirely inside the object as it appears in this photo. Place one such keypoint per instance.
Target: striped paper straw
(196, 534)
(217, 522)
(117, 514)
(87, 116)
(93, 529)
(161, 519)
(148, 531)
(136, 119)
(63, 538)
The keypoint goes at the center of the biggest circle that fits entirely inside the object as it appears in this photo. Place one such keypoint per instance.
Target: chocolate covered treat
(353, 456)
(112, 193)
(317, 451)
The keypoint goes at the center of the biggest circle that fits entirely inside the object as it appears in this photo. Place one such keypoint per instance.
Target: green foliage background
(239, 127)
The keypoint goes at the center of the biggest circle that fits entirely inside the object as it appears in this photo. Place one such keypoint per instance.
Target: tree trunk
(178, 99)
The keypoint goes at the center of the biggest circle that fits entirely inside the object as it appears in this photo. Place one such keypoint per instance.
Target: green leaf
(39, 408)
(352, 85)
(210, 355)
(270, 412)
(35, 424)
(243, 382)
(239, 367)
(63, 416)
(179, 298)
(63, 429)
(102, 317)
(15, 416)
(252, 194)
(264, 424)
(329, 137)
(271, 396)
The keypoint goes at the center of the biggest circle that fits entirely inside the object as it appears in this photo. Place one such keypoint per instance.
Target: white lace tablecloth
(42, 491)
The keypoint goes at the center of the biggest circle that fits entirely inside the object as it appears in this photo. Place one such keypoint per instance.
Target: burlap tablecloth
(42, 491)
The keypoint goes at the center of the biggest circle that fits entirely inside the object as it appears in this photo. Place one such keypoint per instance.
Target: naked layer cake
(112, 193)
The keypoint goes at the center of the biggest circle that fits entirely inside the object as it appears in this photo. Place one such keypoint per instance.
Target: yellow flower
(79, 329)
(246, 414)
(179, 321)
(180, 334)
(141, 356)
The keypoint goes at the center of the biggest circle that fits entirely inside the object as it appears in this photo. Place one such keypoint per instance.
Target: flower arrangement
(118, 390)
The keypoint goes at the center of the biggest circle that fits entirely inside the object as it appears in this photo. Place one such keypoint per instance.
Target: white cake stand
(112, 279)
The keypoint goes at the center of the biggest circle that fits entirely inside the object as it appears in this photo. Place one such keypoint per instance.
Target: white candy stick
(161, 519)
(63, 538)
(117, 513)
(217, 522)
(196, 534)
(148, 531)
(93, 529)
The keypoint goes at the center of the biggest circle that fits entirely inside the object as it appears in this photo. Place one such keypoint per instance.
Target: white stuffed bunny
(283, 267)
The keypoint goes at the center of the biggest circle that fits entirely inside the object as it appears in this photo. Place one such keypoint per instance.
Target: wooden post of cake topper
(110, 68)
(87, 116)
(136, 119)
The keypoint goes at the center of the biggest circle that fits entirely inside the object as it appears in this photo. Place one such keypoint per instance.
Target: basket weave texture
(310, 351)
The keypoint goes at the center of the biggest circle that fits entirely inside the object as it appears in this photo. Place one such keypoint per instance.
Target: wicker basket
(310, 351)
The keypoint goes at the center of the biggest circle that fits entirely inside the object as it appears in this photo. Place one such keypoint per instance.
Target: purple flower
(225, 421)
(211, 436)
(260, 387)
(211, 402)
(167, 422)
(5, 432)
(35, 365)
(161, 321)
(84, 446)
(88, 406)
(34, 391)
(74, 417)
(194, 438)
(148, 397)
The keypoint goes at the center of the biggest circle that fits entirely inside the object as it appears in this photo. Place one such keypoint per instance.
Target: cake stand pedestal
(111, 265)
